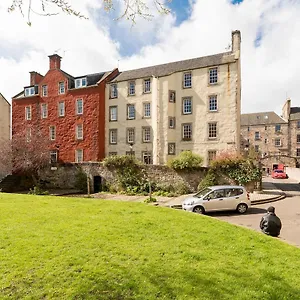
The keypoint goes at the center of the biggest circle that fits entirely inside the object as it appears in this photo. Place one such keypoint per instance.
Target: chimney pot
(54, 61)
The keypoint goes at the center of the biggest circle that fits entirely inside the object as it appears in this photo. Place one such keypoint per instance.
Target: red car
(279, 174)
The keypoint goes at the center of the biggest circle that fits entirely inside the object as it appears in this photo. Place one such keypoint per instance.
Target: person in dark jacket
(270, 224)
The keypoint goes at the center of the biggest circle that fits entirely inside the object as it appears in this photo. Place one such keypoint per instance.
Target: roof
(295, 113)
(178, 66)
(1, 96)
(261, 118)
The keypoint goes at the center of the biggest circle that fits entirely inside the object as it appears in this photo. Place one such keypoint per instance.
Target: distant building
(275, 139)
(69, 110)
(4, 119)
(156, 112)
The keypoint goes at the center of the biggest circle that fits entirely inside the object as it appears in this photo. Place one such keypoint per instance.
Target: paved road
(287, 209)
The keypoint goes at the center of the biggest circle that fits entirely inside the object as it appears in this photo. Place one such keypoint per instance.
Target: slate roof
(261, 118)
(91, 79)
(178, 66)
(295, 113)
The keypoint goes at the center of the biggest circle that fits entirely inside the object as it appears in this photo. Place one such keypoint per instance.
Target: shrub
(81, 180)
(37, 191)
(186, 160)
(209, 180)
(150, 200)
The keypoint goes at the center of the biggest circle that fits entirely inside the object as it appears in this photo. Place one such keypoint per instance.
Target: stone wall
(66, 176)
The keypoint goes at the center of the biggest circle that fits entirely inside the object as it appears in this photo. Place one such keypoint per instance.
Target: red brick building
(69, 110)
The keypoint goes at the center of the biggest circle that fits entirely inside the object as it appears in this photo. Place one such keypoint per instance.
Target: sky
(270, 32)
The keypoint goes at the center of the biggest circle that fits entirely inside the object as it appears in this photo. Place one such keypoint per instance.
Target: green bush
(186, 160)
(37, 191)
(150, 200)
(81, 181)
(209, 180)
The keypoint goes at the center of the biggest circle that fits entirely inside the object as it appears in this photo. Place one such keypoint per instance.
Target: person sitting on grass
(270, 224)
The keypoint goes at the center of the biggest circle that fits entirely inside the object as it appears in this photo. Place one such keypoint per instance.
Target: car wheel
(242, 208)
(199, 210)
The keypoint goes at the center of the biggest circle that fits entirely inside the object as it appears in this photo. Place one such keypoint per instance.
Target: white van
(219, 197)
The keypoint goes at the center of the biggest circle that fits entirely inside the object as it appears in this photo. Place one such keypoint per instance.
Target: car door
(232, 198)
(215, 200)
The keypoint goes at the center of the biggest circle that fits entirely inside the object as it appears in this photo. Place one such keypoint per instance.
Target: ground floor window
(79, 156)
(211, 156)
(147, 158)
(53, 156)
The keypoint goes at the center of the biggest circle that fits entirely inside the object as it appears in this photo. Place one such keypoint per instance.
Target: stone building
(156, 112)
(67, 109)
(4, 118)
(275, 139)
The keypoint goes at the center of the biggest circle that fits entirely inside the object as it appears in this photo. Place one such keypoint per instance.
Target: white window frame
(187, 106)
(78, 155)
(211, 155)
(29, 91)
(113, 113)
(171, 148)
(113, 136)
(257, 135)
(61, 88)
(61, 108)
(80, 82)
(113, 91)
(52, 133)
(172, 122)
(212, 130)
(55, 154)
(130, 135)
(277, 142)
(131, 88)
(79, 131)
(187, 129)
(148, 155)
(28, 114)
(187, 80)
(78, 111)
(213, 75)
(44, 90)
(213, 103)
(44, 111)
(129, 111)
(278, 128)
(146, 134)
(147, 110)
(147, 86)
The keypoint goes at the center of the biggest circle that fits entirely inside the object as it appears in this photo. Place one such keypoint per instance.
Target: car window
(278, 171)
(233, 192)
(216, 194)
(203, 193)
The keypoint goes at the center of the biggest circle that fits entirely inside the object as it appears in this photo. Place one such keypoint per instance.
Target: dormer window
(80, 82)
(29, 91)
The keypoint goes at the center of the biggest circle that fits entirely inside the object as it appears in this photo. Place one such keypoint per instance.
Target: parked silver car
(219, 197)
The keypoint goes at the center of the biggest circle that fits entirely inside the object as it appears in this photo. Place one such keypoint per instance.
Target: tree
(26, 155)
(133, 8)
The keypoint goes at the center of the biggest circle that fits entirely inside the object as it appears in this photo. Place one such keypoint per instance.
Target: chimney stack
(236, 41)
(54, 61)
(286, 110)
(35, 78)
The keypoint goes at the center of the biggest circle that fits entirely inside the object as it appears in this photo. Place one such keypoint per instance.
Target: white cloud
(269, 72)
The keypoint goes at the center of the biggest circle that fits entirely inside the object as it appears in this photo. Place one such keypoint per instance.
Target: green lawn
(72, 248)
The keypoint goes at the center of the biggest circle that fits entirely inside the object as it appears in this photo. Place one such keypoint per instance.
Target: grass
(72, 248)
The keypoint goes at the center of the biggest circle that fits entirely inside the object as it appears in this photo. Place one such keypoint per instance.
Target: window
(266, 127)
(248, 128)
(298, 152)
(298, 138)
(147, 157)
(187, 80)
(131, 153)
(61, 88)
(212, 154)
(212, 130)
(172, 122)
(277, 142)
(79, 155)
(146, 134)
(80, 82)
(113, 113)
(44, 90)
(113, 134)
(28, 134)
(131, 88)
(147, 110)
(213, 75)
(112, 153)
(172, 96)
(61, 109)
(28, 112)
(79, 131)
(130, 135)
(256, 148)
(44, 111)
(266, 141)
(30, 91)
(298, 124)
(257, 135)
(213, 103)
(147, 86)
(113, 91)
(79, 106)
(53, 156)
(52, 133)
(187, 132)
(277, 128)
(130, 112)
(187, 106)
(171, 148)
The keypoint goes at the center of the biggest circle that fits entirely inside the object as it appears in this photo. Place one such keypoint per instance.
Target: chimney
(236, 41)
(286, 109)
(54, 61)
(35, 78)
